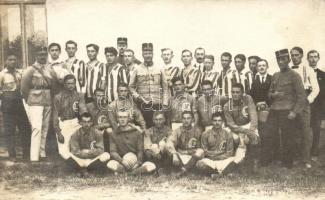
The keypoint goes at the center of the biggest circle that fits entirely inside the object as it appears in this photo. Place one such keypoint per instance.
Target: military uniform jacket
(150, 83)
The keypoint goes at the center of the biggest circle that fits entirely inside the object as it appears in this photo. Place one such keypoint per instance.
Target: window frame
(24, 43)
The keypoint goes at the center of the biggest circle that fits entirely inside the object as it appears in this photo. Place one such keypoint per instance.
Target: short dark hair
(261, 60)
(206, 82)
(122, 84)
(299, 49)
(165, 49)
(186, 50)
(110, 50)
(187, 112)
(95, 46)
(218, 114)
(226, 54)
(199, 48)
(69, 77)
(257, 58)
(241, 57)
(98, 90)
(85, 115)
(211, 57)
(238, 85)
(177, 78)
(71, 42)
(312, 51)
(53, 45)
(129, 50)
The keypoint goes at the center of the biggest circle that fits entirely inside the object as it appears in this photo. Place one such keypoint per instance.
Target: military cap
(110, 50)
(41, 49)
(282, 52)
(147, 47)
(122, 40)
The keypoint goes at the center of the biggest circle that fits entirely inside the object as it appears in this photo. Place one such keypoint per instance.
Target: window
(11, 32)
(23, 26)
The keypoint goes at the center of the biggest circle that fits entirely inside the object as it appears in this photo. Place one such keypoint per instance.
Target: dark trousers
(147, 111)
(315, 123)
(12, 120)
(278, 119)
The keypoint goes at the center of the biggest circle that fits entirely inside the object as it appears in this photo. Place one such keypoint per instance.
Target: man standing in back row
(310, 83)
(148, 85)
(317, 107)
(287, 100)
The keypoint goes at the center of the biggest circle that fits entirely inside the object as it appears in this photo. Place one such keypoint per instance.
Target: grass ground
(49, 180)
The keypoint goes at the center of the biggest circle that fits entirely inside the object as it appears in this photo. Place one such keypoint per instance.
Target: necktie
(262, 79)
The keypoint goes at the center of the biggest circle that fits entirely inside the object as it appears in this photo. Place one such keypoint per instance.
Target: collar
(71, 59)
(314, 68)
(169, 65)
(189, 67)
(243, 71)
(68, 92)
(198, 64)
(148, 64)
(186, 129)
(92, 63)
(7, 71)
(240, 102)
(228, 70)
(213, 70)
(40, 66)
(260, 75)
(216, 131)
(59, 60)
(296, 66)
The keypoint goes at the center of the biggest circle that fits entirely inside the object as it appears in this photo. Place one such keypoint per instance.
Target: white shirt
(309, 80)
(262, 77)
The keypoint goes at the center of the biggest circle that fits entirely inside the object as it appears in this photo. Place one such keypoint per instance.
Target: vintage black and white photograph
(162, 99)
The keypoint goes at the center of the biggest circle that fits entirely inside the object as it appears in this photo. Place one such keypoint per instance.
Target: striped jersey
(224, 83)
(130, 70)
(171, 72)
(94, 72)
(113, 76)
(78, 69)
(191, 78)
(199, 66)
(245, 78)
(210, 76)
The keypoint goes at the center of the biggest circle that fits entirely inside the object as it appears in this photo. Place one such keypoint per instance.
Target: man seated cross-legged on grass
(218, 146)
(87, 148)
(126, 148)
(184, 144)
(155, 142)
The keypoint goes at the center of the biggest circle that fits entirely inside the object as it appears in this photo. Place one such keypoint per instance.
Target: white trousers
(68, 128)
(39, 118)
(218, 165)
(104, 157)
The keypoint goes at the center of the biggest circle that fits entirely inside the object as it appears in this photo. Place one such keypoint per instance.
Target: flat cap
(110, 50)
(122, 40)
(282, 52)
(147, 47)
